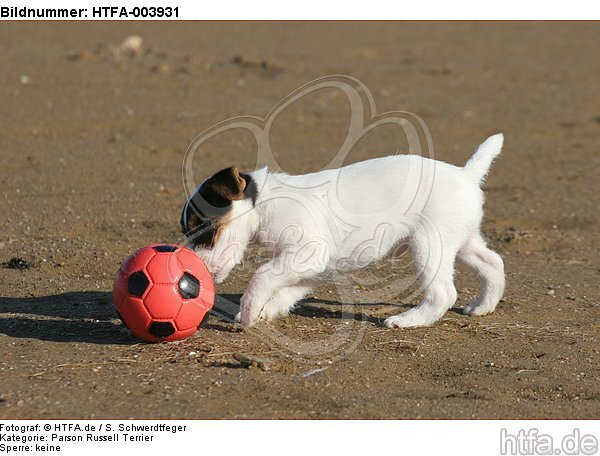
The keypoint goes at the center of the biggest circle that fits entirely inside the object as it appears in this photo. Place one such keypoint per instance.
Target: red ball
(163, 293)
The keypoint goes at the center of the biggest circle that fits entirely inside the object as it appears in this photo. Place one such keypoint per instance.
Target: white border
(349, 9)
(308, 438)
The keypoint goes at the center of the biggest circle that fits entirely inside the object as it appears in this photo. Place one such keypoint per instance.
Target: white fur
(344, 219)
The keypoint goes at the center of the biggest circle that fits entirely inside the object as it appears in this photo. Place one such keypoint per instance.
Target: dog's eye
(195, 225)
(204, 225)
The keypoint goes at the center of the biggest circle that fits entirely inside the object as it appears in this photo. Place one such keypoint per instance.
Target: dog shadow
(394, 309)
(89, 316)
(227, 305)
(81, 316)
(310, 308)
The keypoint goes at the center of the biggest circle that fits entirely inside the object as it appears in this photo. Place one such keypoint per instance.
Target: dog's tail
(479, 164)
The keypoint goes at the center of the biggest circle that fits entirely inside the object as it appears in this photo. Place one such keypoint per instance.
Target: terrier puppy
(339, 220)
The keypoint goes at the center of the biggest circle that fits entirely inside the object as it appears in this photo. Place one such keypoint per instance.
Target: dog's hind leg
(489, 267)
(434, 261)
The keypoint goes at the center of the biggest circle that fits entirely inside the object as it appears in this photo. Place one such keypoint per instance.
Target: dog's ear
(224, 187)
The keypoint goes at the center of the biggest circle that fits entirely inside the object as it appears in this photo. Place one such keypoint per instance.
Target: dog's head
(217, 221)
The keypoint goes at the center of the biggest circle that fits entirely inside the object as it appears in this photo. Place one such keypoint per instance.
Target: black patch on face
(198, 226)
(214, 199)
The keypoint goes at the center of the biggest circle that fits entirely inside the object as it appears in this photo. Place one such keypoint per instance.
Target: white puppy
(343, 219)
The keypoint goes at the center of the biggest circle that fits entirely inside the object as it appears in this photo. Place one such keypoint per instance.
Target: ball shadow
(81, 316)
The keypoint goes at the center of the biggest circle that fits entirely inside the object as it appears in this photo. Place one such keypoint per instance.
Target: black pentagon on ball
(165, 248)
(161, 329)
(137, 283)
(189, 286)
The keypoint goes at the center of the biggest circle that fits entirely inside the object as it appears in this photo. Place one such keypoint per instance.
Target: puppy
(339, 220)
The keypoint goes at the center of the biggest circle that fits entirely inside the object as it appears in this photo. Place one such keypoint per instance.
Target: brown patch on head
(224, 187)
(207, 233)
(221, 224)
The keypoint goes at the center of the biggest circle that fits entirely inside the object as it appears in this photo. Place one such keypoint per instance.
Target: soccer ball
(163, 293)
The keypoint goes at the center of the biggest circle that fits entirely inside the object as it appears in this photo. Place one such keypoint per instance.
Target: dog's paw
(249, 311)
(400, 321)
(475, 309)
(247, 319)
(410, 319)
(245, 322)
(271, 312)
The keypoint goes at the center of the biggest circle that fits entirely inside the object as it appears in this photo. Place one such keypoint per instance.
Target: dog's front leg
(279, 279)
(266, 282)
(283, 301)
